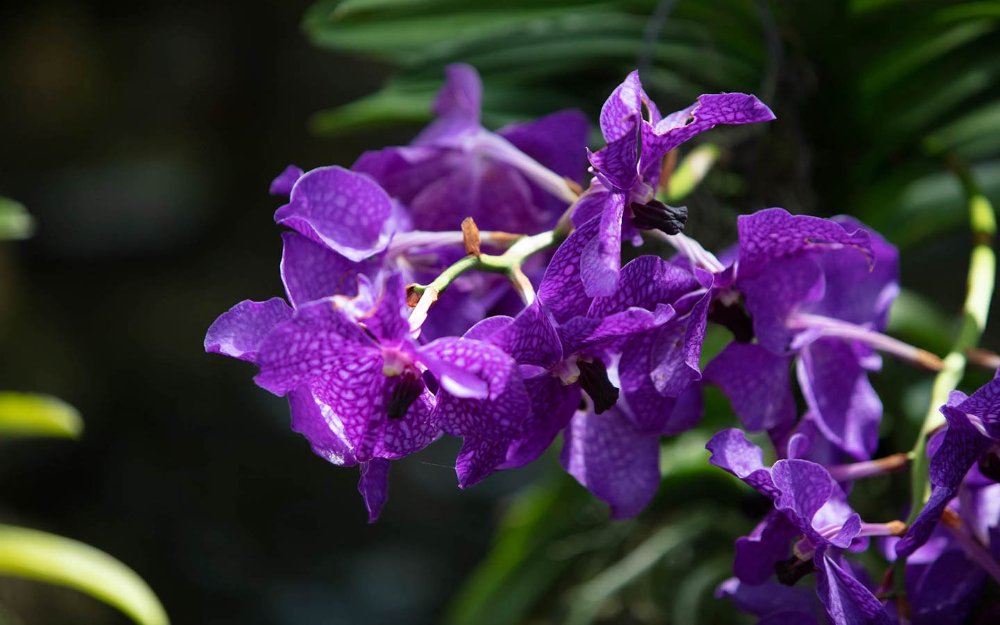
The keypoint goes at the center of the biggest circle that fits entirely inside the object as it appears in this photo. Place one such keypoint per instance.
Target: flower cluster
(471, 284)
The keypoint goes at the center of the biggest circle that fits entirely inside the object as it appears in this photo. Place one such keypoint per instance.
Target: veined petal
(757, 383)
(963, 444)
(677, 350)
(708, 112)
(622, 108)
(732, 452)
(645, 282)
(847, 600)
(581, 334)
(322, 428)
(312, 271)
(374, 486)
(346, 211)
(488, 424)
(600, 260)
(531, 338)
(316, 340)
(616, 462)
(552, 406)
(238, 332)
(768, 544)
(558, 141)
(846, 408)
(387, 320)
(773, 233)
(561, 289)
(282, 185)
(773, 295)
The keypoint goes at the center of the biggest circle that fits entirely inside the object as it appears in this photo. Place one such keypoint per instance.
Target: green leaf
(589, 597)
(43, 557)
(15, 222)
(24, 414)
(691, 171)
(392, 105)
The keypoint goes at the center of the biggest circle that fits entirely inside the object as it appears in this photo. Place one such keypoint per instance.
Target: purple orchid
(811, 510)
(946, 575)
(627, 169)
(239, 333)
(967, 452)
(818, 291)
(513, 180)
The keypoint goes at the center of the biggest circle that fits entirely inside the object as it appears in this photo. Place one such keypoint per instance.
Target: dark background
(143, 138)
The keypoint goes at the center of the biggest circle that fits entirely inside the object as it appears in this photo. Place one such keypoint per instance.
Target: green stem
(509, 263)
(975, 311)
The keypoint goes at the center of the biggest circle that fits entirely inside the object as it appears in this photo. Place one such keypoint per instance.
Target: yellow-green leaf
(35, 555)
(24, 414)
(15, 222)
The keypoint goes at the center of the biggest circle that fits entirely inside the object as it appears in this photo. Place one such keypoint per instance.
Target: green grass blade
(25, 414)
(39, 556)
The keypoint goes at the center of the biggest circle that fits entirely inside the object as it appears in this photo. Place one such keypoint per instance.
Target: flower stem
(981, 279)
(509, 263)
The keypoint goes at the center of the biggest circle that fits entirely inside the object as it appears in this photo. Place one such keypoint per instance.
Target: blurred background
(143, 137)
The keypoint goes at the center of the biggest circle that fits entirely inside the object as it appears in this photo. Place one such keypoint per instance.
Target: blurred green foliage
(874, 97)
(45, 557)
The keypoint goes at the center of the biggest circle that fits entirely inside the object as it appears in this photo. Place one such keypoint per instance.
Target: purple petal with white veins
(387, 320)
(582, 334)
(776, 603)
(859, 290)
(467, 369)
(732, 452)
(616, 462)
(600, 260)
(847, 600)
(322, 428)
(316, 340)
(561, 289)
(356, 391)
(806, 488)
(552, 406)
(486, 328)
(963, 444)
(944, 588)
(687, 411)
(346, 211)
(531, 338)
(312, 271)
(768, 543)
(708, 112)
(773, 295)
(238, 332)
(591, 203)
(374, 486)
(774, 233)
(846, 408)
(757, 383)
(645, 282)
(282, 185)
(649, 410)
(677, 350)
(488, 425)
(622, 108)
(616, 164)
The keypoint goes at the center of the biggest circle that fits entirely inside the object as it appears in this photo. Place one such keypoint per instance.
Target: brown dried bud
(470, 236)
(413, 293)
